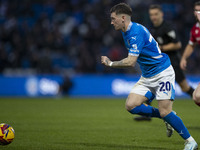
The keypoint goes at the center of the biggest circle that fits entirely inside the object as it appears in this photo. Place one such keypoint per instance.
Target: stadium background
(52, 47)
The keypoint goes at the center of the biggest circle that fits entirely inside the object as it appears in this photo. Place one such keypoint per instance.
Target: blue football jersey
(140, 43)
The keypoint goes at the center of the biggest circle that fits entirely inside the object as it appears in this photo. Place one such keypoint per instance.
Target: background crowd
(69, 36)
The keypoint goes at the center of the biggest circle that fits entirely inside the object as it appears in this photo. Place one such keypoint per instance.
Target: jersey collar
(129, 26)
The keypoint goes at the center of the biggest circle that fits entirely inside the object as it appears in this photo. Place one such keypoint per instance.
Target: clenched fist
(105, 60)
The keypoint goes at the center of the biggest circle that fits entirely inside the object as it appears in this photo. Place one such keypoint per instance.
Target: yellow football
(7, 134)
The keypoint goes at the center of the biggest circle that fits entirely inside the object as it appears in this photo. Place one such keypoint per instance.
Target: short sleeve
(192, 38)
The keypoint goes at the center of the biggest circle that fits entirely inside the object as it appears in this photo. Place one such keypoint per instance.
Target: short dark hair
(196, 3)
(155, 6)
(121, 8)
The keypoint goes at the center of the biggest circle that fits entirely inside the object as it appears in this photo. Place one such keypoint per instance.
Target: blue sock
(144, 110)
(177, 124)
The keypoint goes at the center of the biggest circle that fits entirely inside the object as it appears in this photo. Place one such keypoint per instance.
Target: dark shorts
(179, 74)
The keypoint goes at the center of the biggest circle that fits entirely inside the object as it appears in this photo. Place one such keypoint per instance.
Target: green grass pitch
(90, 124)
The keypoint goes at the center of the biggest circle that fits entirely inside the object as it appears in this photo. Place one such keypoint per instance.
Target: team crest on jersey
(134, 46)
(196, 31)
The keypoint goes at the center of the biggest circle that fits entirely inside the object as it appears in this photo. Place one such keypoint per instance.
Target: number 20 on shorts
(165, 86)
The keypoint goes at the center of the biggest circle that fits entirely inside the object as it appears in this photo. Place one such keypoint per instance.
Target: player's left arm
(129, 61)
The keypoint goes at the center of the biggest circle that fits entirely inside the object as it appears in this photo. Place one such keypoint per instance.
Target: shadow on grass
(117, 146)
(194, 128)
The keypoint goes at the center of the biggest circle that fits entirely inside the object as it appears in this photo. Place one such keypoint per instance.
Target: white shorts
(160, 86)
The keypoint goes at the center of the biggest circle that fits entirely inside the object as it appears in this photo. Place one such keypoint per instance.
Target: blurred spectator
(51, 36)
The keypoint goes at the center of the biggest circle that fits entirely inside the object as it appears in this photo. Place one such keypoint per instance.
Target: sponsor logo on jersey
(134, 51)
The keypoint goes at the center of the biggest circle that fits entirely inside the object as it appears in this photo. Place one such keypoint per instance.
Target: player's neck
(126, 25)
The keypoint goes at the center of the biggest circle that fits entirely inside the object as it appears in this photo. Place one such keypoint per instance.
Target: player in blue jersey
(157, 78)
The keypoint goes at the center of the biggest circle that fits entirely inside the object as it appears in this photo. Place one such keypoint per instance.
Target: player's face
(197, 12)
(156, 16)
(117, 21)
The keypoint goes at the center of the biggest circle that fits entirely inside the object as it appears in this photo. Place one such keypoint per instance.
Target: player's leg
(165, 95)
(133, 100)
(185, 87)
(181, 80)
(135, 105)
(196, 95)
(165, 108)
(144, 118)
(138, 95)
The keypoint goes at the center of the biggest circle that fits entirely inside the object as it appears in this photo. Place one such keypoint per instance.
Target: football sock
(190, 139)
(177, 124)
(190, 91)
(146, 110)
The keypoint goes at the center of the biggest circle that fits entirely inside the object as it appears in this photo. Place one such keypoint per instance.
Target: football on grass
(7, 134)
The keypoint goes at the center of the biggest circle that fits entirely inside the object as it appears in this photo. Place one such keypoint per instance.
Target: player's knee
(129, 106)
(164, 113)
(134, 100)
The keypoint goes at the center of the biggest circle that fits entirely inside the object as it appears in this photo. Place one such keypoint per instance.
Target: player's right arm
(187, 53)
(129, 61)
